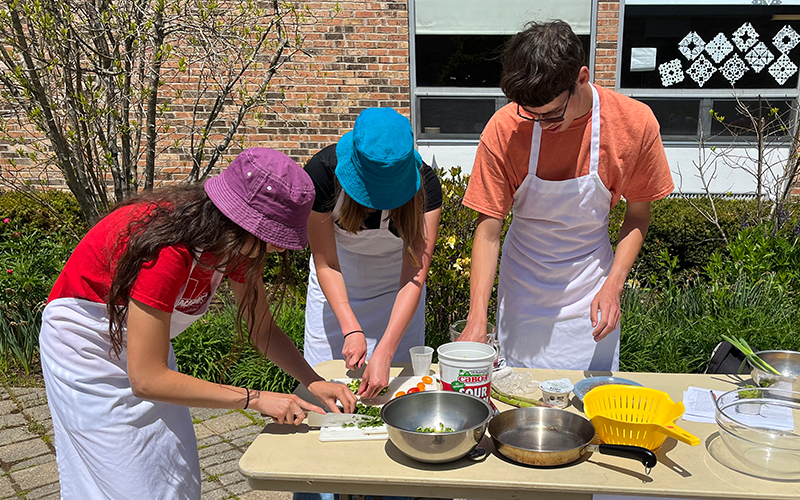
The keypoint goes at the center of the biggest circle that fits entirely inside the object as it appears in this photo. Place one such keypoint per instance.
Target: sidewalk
(28, 461)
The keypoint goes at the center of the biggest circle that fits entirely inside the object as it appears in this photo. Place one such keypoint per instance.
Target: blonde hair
(409, 219)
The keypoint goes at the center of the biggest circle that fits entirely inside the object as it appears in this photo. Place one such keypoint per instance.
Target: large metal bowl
(466, 414)
(746, 425)
(786, 362)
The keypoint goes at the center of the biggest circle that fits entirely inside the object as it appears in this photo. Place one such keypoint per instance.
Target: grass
(675, 330)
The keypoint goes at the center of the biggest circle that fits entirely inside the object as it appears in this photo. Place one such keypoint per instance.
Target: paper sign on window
(643, 59)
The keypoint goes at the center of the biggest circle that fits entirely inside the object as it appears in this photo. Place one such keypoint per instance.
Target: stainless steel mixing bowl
(467, 415)
(786, 362)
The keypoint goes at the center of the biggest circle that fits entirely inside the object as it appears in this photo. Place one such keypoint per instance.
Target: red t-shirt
(88, 272)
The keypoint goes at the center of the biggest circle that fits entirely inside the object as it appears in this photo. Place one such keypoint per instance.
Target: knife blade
(318, 420)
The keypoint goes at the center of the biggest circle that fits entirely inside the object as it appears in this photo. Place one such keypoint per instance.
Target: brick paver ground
(27, 456)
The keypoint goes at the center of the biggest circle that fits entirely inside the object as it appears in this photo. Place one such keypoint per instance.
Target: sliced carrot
(399, 393)
(421, 386)
(427, 380)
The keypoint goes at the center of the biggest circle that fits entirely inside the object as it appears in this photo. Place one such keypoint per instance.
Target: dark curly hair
(183, 214)
(540, 63)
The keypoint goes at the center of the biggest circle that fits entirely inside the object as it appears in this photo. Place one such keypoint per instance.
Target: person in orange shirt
(561, 153)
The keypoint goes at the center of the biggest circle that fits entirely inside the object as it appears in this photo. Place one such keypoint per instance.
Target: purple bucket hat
(268, 194)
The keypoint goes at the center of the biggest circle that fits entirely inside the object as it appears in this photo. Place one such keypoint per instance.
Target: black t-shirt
(322, 170)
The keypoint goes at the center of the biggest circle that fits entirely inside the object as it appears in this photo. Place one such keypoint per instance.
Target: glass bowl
(760, 428)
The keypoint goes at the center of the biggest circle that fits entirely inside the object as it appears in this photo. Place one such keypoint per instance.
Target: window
(718, 120)
(456, 58)
(686, 59)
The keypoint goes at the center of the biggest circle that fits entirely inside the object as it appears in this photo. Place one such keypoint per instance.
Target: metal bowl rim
(773, 351)
(484, 422)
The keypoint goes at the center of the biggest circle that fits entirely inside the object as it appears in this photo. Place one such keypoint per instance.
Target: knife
(317, 420)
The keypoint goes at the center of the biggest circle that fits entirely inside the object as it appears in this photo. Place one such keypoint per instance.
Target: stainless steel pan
(549, 436)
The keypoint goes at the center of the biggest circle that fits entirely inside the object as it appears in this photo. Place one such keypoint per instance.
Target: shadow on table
(664, 460)
(401, 458)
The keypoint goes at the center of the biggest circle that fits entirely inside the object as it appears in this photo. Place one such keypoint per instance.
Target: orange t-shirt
(632, 159)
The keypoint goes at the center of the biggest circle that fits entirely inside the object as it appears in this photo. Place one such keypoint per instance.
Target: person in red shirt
(562, 153)
(141, 276)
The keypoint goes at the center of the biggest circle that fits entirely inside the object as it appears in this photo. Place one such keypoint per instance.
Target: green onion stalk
(750, 355)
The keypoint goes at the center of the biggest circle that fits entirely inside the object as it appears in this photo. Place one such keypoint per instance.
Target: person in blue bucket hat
(372, 231)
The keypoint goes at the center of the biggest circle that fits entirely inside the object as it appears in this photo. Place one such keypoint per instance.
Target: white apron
(109, 443)
(371, 262)
(556, 256)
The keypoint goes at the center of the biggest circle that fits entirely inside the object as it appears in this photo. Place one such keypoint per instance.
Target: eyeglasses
(554, 119)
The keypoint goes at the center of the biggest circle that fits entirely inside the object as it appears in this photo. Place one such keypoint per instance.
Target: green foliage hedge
(687, 287)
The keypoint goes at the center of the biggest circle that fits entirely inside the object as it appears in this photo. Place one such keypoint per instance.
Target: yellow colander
(636, 416)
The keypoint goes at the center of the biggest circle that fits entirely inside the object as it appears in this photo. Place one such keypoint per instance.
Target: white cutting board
(339, 433)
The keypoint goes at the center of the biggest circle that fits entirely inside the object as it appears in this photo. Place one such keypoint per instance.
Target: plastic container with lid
(556, 392)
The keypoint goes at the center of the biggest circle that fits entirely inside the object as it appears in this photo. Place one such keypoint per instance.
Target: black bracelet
(354, 331)
(248, 398)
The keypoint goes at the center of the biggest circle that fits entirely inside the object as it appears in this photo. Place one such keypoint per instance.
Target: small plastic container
(556, 392)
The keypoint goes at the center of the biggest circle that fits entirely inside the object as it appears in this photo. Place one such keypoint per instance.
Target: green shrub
(43, 211)
(681, 230)
(204, 351)
(34, 246)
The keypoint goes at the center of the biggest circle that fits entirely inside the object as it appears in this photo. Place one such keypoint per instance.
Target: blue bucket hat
(377, 165)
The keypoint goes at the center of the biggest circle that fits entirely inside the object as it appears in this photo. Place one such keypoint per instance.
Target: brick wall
(605, 62)
(358, 57)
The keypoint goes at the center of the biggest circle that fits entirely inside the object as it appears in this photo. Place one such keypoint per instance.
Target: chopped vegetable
(751, 356)
(356, 383)
(427, 380)
(752, 393)
(372, 414)
(437, 430)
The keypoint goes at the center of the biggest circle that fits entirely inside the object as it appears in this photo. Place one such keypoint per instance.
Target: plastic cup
(421, 358)
(491, 335)
(458, 327)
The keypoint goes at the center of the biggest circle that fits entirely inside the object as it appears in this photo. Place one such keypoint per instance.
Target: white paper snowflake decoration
(691, 46)
(719, 48)
(782, 69)
(786, 39)
(759, 57)
(671, 72)
(745, 37)
(733, 69)
(701, 70)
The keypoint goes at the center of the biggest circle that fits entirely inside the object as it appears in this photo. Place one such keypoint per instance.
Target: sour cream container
(556, 392)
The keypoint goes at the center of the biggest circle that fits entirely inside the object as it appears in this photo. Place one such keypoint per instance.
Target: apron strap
(594, 155)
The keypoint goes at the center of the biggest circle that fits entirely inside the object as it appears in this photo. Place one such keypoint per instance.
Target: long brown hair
(409, 219)
(182, 215)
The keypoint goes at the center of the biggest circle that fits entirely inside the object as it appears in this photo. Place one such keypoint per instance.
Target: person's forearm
(632, 234)
(168, 386)
(483, 267)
